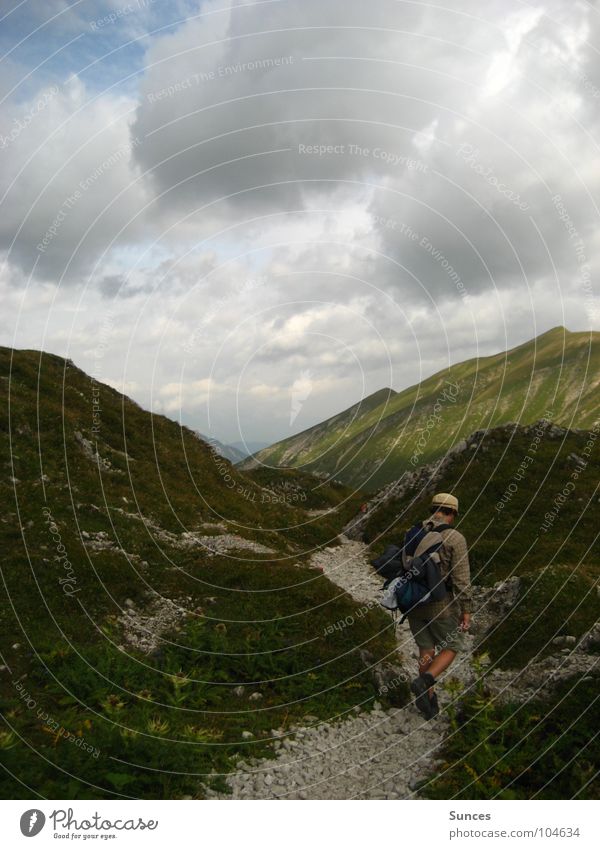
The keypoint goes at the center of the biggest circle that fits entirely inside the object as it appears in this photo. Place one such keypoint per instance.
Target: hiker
(442, 624)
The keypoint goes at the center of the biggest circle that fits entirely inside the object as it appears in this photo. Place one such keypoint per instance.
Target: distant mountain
(297, 450)
(235, 452)
(554, 376)
(230, 452)
(248, 448)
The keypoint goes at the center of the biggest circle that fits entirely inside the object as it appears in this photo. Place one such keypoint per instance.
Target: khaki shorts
(442, 632)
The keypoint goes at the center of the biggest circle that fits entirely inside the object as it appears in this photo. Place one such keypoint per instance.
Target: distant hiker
(441, 624)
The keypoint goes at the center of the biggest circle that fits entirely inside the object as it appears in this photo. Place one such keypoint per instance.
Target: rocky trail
(379, 754)
(384, 754)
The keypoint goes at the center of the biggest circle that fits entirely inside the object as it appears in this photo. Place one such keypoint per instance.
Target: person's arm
(461, 577)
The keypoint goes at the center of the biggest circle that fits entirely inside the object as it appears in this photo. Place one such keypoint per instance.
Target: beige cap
(444, 499)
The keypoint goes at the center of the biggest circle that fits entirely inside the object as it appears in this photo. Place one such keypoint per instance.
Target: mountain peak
(385, 392)
(559, 330)
(388, 432)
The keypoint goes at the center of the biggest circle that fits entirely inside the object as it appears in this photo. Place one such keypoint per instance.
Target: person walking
(438, 627)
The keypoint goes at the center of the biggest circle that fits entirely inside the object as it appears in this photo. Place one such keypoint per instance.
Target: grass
(534, 750)
(511, 540)
(559, 569)
(168, 723)
(554, 602)
(164, 723)
(87, 716)
(371, 444)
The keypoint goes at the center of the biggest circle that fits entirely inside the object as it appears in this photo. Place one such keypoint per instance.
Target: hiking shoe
(434, 706)
(419, 687)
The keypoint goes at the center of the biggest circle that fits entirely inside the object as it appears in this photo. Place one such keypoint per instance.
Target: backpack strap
(448, 579)
(439, 528)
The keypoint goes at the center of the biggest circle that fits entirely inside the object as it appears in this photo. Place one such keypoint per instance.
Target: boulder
(564, 641)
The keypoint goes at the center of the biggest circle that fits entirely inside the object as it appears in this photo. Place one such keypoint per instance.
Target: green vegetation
(295, 487)
(541, 750)
(510, 539)
(554, 602)
(535, 749)
(161, 723)
(86, 714)
(556, 375)
(559, 568)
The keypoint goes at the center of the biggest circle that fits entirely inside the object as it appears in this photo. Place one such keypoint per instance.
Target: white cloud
(219, 262)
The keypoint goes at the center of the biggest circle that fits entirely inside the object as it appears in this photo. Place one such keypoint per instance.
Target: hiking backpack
(389, 564)
(420, 580)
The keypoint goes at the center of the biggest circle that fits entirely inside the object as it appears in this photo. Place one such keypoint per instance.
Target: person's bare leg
(425, 659)
(440, 662)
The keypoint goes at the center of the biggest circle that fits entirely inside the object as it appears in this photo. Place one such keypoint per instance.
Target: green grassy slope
(529, 507)
(534, 750)
(556, 375)
(85, 714)
(316, 442)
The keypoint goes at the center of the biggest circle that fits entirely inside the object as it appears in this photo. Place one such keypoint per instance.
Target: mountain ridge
(554, 375)
(152, 592)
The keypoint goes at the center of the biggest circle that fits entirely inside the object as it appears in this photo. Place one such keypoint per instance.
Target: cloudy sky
(249, 215)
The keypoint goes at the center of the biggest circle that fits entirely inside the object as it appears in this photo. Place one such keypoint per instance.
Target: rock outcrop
(425, 478)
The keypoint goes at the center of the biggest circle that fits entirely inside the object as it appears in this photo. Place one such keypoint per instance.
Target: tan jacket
(454, 561)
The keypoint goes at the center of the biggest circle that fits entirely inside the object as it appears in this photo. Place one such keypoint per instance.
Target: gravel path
(374, 755)
(382, 754)
(348, 566)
